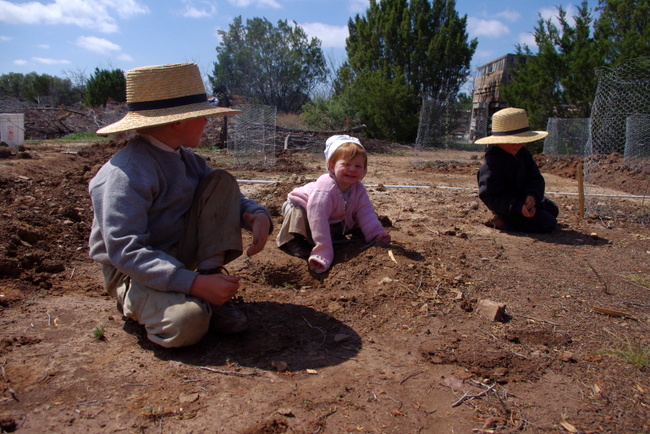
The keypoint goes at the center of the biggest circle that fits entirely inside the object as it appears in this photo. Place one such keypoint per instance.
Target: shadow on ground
(283, 337)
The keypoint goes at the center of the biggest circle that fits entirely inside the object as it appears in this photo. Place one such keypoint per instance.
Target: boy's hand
(529, 210)
(260, 225)
(215, 288)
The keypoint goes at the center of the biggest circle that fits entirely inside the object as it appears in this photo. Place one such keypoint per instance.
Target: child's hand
(383, 238)
(260, 225)
(318, 264)
(529, 210)
(215, 288)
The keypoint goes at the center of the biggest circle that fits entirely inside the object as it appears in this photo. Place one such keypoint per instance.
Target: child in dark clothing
(510, 183)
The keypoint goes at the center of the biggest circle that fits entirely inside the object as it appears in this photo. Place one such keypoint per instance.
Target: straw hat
(161, 94)
(510, 125)
(333, 143)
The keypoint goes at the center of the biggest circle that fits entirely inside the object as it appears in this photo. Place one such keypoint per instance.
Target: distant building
(486, 99)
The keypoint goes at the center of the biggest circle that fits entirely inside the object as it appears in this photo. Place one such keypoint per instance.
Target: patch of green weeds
(634, 353)
(99, 333)
(640, 280)
(289, 285)
(82, 136)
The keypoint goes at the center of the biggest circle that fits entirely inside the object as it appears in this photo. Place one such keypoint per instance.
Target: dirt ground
(389, 341)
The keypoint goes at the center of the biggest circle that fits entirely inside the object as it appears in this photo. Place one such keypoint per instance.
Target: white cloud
(124, 8)
(43, 46)
(125, 57)
(487, 28)
(47, 61)
(205, 9)
(97, 45)
(330, 36)
(358, 6)
(527, 39)
(90, 14)
(5, 38)
(509, 15)
(258, 3)
(484, 54)
(20, 62)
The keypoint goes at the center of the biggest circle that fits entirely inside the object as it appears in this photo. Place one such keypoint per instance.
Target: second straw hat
(510, 125)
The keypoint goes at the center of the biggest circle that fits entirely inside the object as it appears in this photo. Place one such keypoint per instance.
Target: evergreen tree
(399, 52)
(560, 80)
(623, 29)
(104, 85)
(269, 65)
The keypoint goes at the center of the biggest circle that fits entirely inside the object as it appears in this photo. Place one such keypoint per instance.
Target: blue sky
(68, 37)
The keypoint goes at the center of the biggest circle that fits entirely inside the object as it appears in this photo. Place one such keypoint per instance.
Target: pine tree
(560, 80)
(623, 29)
(399, 52)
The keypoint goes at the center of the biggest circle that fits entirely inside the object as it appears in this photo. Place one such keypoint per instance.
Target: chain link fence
(566, 136)
(443, 125)
(251, 135)
(619, 126)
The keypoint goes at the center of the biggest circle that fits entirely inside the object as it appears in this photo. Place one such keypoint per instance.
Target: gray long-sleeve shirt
(140, 198)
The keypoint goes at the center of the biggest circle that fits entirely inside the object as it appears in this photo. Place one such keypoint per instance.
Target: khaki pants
(294, 223)
(213, 226)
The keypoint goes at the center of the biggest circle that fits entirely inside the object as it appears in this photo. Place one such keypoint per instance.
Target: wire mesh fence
(637, 140)
(443, 125)
(251, 135)
(566, 136)
(619, 126)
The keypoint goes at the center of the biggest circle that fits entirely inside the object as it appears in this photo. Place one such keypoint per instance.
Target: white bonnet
(333, 143)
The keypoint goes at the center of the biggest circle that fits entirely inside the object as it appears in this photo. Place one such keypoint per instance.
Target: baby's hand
(383, 238)
(318, 264)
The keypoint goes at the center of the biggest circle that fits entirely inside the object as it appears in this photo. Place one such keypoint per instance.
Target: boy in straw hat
(330, 207)
(509, 182)
(165, 223)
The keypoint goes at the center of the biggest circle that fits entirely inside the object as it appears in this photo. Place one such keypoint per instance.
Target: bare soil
(388, 341)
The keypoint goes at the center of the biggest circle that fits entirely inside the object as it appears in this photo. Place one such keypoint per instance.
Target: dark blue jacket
(505, 180)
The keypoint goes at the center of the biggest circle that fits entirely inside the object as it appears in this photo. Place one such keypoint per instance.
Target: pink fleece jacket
(325, 205)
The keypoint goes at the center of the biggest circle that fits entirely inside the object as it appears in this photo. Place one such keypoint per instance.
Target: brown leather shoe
(227, 319)
(496, 222)
(297, 247)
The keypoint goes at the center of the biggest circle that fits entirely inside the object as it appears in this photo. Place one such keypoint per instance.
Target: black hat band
(167, 103)
(508, 133)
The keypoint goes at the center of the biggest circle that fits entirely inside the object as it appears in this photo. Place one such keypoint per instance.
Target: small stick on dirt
(319, 329)
(467, 396)
(612, 312)
(538, 320)
(235, 373)
(431, 230)
(49, 319)
(409, 377)
(634, 283)
(599, 278)
(72, 274)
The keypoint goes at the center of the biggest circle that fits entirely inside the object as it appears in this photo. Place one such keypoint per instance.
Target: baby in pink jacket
(336, 203)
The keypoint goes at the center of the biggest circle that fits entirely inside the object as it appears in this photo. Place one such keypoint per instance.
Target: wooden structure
(486, 99)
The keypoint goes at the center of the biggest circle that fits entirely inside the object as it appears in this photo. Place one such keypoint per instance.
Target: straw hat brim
(528, 136)
(150, 118)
